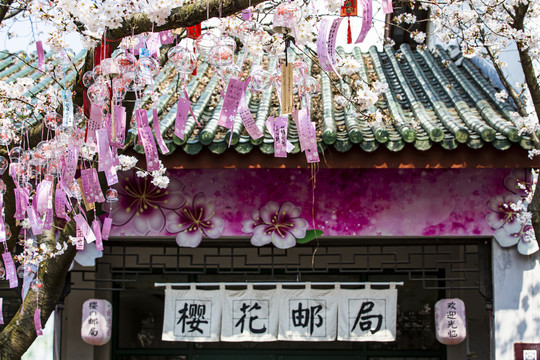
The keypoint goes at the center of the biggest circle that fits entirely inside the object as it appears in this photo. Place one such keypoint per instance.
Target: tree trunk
(19, 334)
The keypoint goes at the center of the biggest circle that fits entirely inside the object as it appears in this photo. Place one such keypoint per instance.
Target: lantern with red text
(450, 321)
(96, 321)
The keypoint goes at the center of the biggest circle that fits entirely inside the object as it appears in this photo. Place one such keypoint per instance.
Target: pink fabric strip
(280, 137)
(71, 159)
(42, 195)
(235, 91)
(60, 204)
(182, 110)
(48, 221)
(322, 46)
(79, 240)
(312, 154)
(1, 312)
(96, 188)
(35, 221)
(366, 20)
(166, 37)
(107, 223)
(87, 188)
(40, 55)
(157, 132)
(19, 208)
(104, 151)
(11, 273)
(37, 322)
(85, 228)
(332, 36)
(119, 127)
(150, 150)
(94, 123)
(387, 6)
(97, 232)
(248, 121)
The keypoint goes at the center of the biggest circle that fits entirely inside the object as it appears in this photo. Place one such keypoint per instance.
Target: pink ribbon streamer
(97, 232)
(11, 273)
(119, 127)
(249, 122)
(387, 6)
(157, 132)
(366, 20)
(37, 322)
(40, 55)
(85, 228)
(94, 123)
(1, 312)
(280, 137)
(150, 150)
(235, 91)
(107, 223)
(182, 110)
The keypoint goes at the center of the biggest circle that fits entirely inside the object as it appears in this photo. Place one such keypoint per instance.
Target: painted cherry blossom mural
(142, 207)
(279, 225)
(344, 202)
(508, 217)
(193, 221)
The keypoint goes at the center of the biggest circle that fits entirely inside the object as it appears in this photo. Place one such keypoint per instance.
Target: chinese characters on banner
(192, 315)
(368, 316)
(450, 321)
(280, 314)
(308, 314)
(250, 315)
(96, 321)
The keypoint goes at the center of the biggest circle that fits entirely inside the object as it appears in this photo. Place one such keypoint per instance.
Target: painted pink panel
(344, 202)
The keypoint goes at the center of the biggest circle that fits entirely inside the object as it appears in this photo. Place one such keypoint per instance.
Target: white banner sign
(250, 315)
(308, 314)
(280, 314)
(192, 315)
(367, 315)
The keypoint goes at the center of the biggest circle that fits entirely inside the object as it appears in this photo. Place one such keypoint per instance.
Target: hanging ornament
(110, 68)
(126, 60)
(286, 17)
(260, 80)
(193, 32)
(205, 43)
(221, 55)
(111, 195)
(349, 8)
(183, 59)
(88, 79)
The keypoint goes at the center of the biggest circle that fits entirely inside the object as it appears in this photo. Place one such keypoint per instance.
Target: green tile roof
(430, 100)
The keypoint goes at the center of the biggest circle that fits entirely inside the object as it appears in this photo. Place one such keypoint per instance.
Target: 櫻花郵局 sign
(280, 314)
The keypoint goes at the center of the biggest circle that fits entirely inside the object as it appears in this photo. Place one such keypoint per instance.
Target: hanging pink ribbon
(157, 132)
(367, 15)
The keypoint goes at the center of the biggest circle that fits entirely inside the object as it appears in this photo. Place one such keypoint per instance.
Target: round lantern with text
(450, 321)
(96, 321)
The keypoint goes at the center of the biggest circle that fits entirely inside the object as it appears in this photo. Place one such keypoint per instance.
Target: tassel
(349, 32)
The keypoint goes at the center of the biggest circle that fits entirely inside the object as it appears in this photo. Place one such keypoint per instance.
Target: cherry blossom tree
(29, 117)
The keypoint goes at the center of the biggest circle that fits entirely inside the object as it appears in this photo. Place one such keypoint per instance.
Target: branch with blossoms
(159, 178)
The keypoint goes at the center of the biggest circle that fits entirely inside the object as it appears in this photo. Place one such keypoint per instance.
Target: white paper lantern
(96, 321)
(450, 321)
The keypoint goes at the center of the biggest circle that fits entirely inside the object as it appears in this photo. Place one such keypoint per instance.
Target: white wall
(516, 292)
